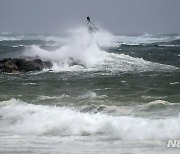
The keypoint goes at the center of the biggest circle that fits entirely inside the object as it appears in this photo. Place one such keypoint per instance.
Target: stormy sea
(123, 98)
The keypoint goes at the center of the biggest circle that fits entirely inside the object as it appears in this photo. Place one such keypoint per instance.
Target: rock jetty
(15, 65)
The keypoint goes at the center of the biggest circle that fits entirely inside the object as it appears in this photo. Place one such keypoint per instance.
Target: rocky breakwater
(27, 64)
(15, 65)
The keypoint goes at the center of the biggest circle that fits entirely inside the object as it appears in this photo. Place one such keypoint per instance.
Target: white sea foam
(30, 83)
(45, 97)
(174, 83)
(89, 94)
(142, 39)
(152, 97)
(86, 49)
(164, 45)
(159, 102)
(26, 119)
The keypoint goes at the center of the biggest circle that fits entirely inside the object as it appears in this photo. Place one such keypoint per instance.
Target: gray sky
(117, 16)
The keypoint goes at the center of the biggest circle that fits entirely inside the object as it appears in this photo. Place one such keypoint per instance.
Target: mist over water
(122, 98)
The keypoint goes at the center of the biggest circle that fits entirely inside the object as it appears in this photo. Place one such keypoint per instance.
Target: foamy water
(28, 119)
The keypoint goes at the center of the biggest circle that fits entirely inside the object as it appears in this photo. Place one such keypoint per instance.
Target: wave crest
(22, 118)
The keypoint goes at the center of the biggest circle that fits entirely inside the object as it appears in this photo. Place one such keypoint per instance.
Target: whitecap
(28, 119)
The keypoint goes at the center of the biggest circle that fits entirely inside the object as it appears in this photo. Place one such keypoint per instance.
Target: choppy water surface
(125, 100)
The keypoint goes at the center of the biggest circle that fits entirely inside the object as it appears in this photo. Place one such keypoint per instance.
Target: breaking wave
(27, 119)
(88, 50)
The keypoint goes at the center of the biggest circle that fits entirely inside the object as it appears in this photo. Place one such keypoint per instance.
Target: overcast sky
(117, 16)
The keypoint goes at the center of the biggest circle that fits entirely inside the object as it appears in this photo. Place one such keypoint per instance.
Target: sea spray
(82, 46)
(88, 50)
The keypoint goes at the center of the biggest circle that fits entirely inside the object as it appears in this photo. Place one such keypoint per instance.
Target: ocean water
(126, 98)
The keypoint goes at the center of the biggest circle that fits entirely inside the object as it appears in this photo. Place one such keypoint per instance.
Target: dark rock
(10, 65)
(26, 66)
(72, 62)
(47, 64)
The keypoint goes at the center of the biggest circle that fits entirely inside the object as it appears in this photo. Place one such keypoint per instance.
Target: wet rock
(14, 65)
(47, 64)
(72, 62)
(26, 66)
(8, 65)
